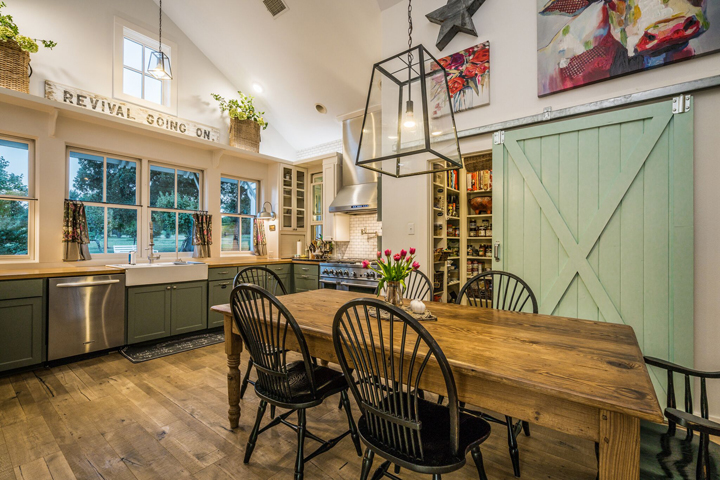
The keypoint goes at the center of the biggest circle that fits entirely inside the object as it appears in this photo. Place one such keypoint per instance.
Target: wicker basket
(245, 134)
(14, 67)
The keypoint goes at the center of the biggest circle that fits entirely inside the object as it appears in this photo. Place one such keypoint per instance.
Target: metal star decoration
(454, 17)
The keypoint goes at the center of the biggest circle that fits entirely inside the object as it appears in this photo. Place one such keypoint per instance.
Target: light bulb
(409, 115)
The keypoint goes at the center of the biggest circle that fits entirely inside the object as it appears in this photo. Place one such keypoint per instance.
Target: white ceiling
(318, 51)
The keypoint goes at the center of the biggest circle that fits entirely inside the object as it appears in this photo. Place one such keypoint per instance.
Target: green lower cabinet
(305, 283)
(189, 307)
(21, 324)
(149, 311)
(218, 294)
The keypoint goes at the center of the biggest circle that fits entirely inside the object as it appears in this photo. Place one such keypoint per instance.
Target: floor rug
(143, 353)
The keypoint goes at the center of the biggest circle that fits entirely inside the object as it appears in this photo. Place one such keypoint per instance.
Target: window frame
(125, 29)
(177, 211)
(137, 206)
(315, 223)
(252, 216)
(31, 199)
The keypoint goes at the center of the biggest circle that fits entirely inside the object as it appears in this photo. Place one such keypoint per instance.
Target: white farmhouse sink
(162, 272)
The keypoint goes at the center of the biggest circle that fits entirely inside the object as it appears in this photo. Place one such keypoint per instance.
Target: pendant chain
(160, 41)
(410, 31)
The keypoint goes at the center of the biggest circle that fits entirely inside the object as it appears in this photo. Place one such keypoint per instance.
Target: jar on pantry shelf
(489, 231)
(473, 223)
(469, 268)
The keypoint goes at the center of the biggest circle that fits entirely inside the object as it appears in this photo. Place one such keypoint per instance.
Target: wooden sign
(98, 103)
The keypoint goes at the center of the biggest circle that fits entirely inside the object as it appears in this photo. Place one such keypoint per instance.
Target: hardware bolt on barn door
(596, 214)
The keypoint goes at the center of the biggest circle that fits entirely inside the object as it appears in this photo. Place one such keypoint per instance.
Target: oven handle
(330, 282)
(348, 284)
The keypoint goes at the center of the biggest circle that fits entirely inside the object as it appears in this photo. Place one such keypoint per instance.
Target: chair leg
(397, 469)
(477, 457)
(703, 461)
(340, 405)
(300, 462)
(351, 423)
(526, 428)
(440, 399)
(437, 476)
(254, 434)
(272, 412)
(246, 378)
(512, 444)
(381, 471)
(367, 464)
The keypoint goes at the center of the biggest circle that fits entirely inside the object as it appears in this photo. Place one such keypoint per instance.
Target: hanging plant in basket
(15, 50)
(245, 121)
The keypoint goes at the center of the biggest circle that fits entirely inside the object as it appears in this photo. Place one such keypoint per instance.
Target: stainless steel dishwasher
(85, 314)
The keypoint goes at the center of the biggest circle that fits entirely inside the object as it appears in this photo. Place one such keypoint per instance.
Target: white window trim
(136, 206)
(123, 28)
(313, 222)
(32, 206)
(149, 209)
(258, 202)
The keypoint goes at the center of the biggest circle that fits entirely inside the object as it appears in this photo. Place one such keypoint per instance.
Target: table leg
(233, 347)
(619, 446)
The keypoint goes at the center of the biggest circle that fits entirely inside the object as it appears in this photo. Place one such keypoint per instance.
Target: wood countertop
(79, 270)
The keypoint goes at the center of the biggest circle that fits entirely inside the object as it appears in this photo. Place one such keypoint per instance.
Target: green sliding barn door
(596, 214)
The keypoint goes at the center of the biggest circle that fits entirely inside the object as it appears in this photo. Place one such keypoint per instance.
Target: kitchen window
(175, 194)
(316, 220)
(108, 186)
(238, 206)
(17, 206)
(132, 82)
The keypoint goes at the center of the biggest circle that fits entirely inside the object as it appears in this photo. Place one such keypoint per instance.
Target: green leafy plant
(242, 109)
(9, 31)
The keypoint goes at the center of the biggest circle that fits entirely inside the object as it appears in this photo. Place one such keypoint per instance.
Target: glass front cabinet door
(294, 185)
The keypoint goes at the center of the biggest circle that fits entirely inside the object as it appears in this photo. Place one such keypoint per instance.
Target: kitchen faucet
(151, 257)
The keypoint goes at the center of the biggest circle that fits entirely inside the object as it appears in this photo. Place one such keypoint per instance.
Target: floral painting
(587, 41)
(468, 76)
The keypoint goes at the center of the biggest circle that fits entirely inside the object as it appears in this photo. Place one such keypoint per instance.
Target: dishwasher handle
(87, 284)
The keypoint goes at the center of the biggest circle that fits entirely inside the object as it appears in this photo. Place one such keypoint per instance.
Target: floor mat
(138, 354)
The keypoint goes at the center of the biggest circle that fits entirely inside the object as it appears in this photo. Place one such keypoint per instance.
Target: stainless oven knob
(346, 273)
(354, 274)
(325, 271)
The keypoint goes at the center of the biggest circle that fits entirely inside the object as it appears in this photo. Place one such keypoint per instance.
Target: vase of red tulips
(393, 270)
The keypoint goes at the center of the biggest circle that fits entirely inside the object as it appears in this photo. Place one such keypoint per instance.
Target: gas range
(347, 274)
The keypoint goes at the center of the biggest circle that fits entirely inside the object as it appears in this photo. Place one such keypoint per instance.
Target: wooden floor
(106, 418)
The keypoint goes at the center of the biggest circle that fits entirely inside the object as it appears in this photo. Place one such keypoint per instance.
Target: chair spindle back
(498, 290)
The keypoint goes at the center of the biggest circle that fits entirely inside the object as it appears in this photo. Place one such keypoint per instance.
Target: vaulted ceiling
(318, 51)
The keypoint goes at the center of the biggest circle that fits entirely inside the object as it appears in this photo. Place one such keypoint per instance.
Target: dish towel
(75, 236)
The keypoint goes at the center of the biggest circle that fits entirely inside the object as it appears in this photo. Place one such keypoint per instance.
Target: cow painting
(586, 41)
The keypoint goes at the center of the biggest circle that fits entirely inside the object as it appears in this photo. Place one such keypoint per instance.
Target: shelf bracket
(52, 122)
(216, 156)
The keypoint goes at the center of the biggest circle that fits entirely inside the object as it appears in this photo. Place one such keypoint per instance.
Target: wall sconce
(265, 214)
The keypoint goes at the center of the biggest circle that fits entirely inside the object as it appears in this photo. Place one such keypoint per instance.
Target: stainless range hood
(359, 192)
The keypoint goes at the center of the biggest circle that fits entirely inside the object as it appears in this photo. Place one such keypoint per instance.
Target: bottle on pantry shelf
(489, 231)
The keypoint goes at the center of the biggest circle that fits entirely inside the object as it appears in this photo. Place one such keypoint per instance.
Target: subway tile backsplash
(361, 246)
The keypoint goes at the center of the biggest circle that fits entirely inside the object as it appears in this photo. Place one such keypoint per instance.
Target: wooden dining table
(584, 378)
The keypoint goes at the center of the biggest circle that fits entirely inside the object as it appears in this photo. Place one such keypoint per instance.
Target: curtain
(202, 235)
(259, 242)
(75, 233)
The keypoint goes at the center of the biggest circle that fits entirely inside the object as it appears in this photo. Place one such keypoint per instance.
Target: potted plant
(15, 50)
(393, 273)
(245, 121)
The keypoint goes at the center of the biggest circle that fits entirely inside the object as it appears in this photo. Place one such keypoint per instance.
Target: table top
(592, 363)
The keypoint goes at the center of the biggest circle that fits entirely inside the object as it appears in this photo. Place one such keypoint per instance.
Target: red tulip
(382, 260)
(397, 257)
(408, 258)
(388, 252)
(403, 252)
(412, 251)
(379, 254)
(365, 264)
(416, 265)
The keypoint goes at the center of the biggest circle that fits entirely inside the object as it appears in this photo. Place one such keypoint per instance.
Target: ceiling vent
(275, 7)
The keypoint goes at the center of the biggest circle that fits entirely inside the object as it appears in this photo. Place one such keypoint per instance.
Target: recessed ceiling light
(257, 87)
(320, 108)
(392, 137)
(436, 133)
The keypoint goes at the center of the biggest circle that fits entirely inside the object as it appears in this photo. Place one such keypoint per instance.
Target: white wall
(83, 58)
(513, 94)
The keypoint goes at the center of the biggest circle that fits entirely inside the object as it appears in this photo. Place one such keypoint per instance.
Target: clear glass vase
(394, 293)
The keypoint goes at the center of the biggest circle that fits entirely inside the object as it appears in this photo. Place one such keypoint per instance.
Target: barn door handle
(496, 251)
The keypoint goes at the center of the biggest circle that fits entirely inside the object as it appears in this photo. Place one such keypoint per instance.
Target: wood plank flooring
(105, 418)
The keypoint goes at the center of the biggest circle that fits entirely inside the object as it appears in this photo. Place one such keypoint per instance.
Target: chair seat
(435, 434)
(666, 456)
(327, 382)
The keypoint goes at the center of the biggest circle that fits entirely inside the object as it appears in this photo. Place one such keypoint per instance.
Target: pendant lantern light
(159, 64)
(409, 125)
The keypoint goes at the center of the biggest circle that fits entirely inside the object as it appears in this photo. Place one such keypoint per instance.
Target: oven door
(358, 287)
(330, 283)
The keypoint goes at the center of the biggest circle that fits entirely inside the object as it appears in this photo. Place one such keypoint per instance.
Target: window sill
(237, 254)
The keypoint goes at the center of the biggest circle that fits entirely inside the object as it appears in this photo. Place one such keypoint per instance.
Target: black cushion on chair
(327, 382)
(435, 433)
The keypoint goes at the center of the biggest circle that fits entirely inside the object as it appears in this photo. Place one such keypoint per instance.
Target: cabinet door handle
(496, 251)
(224, 273)
(167, 288)
(224, 284)
(174, 287)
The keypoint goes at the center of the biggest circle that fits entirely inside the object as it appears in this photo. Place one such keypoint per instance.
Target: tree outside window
(14, 186)
(238, 205)
(106, 185)
(173, 192)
